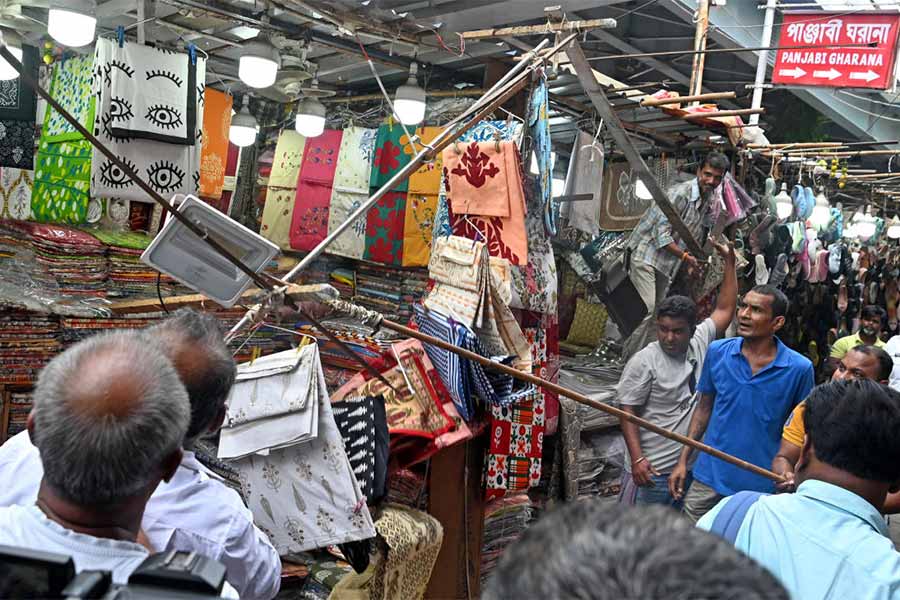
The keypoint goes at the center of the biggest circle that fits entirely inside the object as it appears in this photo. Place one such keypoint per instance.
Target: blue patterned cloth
(539, 129)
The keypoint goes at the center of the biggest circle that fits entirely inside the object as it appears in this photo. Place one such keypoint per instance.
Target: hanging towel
(351, 189)
(154, 92)
(585, 176)
(539, 124)
(280, 194)
(392, 153)
(384, 229)
(168, 168)
(421, 204)
(309, 224)
(513, 461)
(223, 202)
(214, 152)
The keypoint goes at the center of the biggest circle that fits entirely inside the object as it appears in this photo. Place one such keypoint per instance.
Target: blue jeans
(658, 493)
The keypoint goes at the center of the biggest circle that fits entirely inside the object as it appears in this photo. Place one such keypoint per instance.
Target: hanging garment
(513, 462)
(585, 176)
(280, 195)
(70, 85)
(384, 229)
(542, 332)
(303, 495)
(392, 152)
(539, 126)
(351, 189)
(620, 207)
(155, 94)
(233, 159)
(309, 224)
(534, 283)
(505, 237)
(363, 425)
(478, 181)
(214, 152)
(168, 168)
(15, 193)
(18, 102)
(17, 144)
(421, 204)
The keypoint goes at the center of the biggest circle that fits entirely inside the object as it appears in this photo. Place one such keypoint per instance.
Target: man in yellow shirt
(871, 320)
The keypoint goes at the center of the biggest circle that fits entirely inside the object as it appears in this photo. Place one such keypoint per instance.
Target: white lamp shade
(893, 232)
(865, 228)
(7, 71)
(257, 72)
(310, 125)
(71, 28)
(409, 112)
(241, 135)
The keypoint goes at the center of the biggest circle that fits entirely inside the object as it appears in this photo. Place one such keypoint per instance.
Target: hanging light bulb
(850, 232)
(784, 206)
(14, 43)
(409, 101)
(310, 120)
(821, 214)
(865, 227)
(259, 63)
(72, 22)
(893, 230)
(244, 127)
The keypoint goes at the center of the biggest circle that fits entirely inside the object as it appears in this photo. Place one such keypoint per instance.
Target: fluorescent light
(72, 24)
(259, 63)
(409, 101)
(310, 120)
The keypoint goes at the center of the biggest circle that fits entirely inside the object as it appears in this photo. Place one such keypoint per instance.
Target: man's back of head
(108, 412)
(590, 551)
(194, 342)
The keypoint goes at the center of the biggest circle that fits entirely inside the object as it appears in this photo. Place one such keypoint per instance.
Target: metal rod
(762, 62)
(432, 94)
(721, 51)
(723, 113)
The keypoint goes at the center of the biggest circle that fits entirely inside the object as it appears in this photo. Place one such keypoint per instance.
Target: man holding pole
(748, 387)
(659, 384)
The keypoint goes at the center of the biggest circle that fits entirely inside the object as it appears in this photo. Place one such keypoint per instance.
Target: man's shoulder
(797, 360)
(723, 346)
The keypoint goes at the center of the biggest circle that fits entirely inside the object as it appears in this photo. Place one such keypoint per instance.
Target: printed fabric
(585, 176)
(539, 127)
(478, 180)
(154, 93)
(71, 87)
(18, 102)
(483, 131)
(280, 195)
(214, 152)
(309, 223)
(168, 168)
(223, 202)
(513, 462)
(361, 421)
(534, 283)
(17, 144)
(15, 193)
(351, 189)
(392, 153)
(384, 229)
(421, 204)
(303, 496)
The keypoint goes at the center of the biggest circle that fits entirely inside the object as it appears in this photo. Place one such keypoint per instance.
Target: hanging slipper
(762, 272)
(768, 198)
(760, 236)
(780, 272)
(843, 300)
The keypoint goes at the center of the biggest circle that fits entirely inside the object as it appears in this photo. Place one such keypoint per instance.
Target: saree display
(309, 222)
(281, 191)
(351, 189)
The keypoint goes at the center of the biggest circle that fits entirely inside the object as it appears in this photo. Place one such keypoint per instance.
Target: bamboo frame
(723, 113)
(566, 27)
(648, 101)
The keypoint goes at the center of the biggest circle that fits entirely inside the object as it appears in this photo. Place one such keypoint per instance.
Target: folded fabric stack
(380, 289)
(75, 259)
(599, 460)
(128, 276)
(75, 329)
(505, 520)
(19, 407)
(408, 488)
(356, 338)
(344, 281)
(263, 342)
(27, 342)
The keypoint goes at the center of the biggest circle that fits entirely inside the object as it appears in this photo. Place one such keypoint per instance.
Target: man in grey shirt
(658, 384)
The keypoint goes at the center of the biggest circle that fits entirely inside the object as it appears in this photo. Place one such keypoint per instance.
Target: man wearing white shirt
(194, 510)
(893, 349)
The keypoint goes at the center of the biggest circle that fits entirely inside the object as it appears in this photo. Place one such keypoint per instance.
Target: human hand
(725, 250)
(677, 479)
(782, 466)
(643, 472)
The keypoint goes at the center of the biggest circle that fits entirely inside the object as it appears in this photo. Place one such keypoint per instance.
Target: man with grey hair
(194, 511)
(109, 417)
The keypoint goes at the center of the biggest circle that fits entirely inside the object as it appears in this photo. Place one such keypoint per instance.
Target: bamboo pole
(566, 27)
(724, 113)
(649, 101)
(696, 85)
(793, 145)
(467, 93)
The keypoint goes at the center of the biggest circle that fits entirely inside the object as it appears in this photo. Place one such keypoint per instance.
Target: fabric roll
(15, 193)
(384, 229)
(421, 204)
(280, 195)
(155, 93)
(214, 152)
(585, 176)
(309, 223)
(392, 153)
(351, 189)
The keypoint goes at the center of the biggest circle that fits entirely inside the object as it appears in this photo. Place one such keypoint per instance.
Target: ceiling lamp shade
(14, 43)
(821, 214)
(850, 231)
(259, 63)
(244, 127)
(310, 120)
(784, 206)
(409, 101)
(865, 227)
(72, 22)
(893, 230)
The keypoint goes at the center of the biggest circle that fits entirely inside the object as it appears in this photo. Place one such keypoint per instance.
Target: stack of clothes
(76, 329)
(128, 276)
(19, 407)
(76, 260)
(390, 291)
(27, 342)
(505, 520)
(361, 339)
(264, 340)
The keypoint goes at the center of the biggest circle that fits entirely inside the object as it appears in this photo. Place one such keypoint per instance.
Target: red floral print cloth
(309, 224)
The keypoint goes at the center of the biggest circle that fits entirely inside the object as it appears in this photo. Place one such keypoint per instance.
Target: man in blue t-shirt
(748, 387)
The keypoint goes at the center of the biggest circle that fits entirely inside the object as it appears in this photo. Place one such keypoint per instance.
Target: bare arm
(892, 504)
(699, 422)
(727, 301)
(784, 462)
(641, 469)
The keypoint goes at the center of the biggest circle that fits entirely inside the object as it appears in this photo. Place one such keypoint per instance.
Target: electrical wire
(864, 111)
(159, 292)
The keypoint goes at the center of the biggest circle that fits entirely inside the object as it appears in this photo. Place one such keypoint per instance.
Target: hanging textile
(513, 462)
(229, 181)
(478, 181)
(542, 332)
(309, 223)
(15, 193)
(392, 153)
(280, 196)
(303, 495)
(214, 152)
(539, 128)
(62, 176)
(155, 94)
(18, 102)
(620, 207)
(384, 229)
(363, 425)
(421, 204)
(17, 144)
(534, 283)
(168, 168)
(585, 176)
(351, 189)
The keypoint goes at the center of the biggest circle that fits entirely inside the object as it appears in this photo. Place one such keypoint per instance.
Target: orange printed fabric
(214, 152)
(480, 182)
(421, 204)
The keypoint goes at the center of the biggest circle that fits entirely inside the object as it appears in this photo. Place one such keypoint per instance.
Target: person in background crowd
(587, 550)
(828, 541)
(748, 387)
(871, 320)
(893, 349)
(656, 255)
(194, 511)
(659, 384)
(109, 417)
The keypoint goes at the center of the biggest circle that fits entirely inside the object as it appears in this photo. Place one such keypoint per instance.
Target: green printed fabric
(132, 240)
(71, 87)
(392, 152)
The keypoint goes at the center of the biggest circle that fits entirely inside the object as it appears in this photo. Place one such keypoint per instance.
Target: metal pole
(762, 64)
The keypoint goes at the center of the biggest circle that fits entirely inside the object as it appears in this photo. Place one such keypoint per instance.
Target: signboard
(870, 64)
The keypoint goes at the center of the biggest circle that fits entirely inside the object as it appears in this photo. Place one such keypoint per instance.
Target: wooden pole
(566, 27)
(793, 145)
(696, 87)
(467, 93)
(724, 113)
(649, 101)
